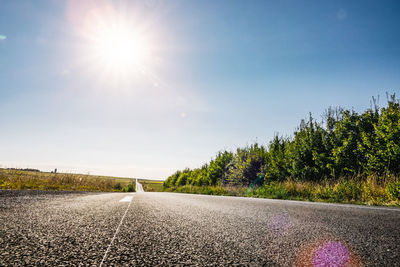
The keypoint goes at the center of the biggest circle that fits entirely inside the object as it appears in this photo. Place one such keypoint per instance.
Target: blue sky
(216, 75)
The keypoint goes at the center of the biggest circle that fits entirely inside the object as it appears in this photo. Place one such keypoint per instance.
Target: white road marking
(116, 232)
(126, 199)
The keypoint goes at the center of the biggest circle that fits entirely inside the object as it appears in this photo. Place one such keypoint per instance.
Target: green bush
(393, 190)
(347, 191)
(273, 190)
(314, 163)
(325, 193)
(131, 188)
(118, 186)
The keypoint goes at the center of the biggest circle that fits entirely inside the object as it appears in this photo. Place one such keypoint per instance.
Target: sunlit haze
(143, 88)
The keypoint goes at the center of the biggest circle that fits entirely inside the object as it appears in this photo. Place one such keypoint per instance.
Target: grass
(370, 191)
(152, 185)
(17, 179)
(208, 190)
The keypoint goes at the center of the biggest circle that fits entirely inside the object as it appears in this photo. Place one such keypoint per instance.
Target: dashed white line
(116, 232)
(126, 199)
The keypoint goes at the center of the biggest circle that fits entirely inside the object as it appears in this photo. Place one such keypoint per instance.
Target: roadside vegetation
(346, 157)
(152, 185)
(23, 179)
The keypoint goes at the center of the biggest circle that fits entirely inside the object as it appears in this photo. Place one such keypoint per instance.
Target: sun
(120, 48)
(116, 45)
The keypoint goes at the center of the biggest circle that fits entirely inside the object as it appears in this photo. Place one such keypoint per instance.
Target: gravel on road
(40, 228)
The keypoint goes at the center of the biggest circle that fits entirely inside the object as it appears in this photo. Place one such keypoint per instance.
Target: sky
(143, 88)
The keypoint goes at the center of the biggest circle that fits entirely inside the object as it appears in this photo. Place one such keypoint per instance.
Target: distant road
(139, 187)
(64, 228)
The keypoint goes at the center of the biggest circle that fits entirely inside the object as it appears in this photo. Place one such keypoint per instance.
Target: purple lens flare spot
(279, 222)
(331, 253)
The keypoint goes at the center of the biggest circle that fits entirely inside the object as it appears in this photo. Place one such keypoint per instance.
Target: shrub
(325, 192)
(348, 191)
(393, 190)
(130, 188)
(117, 186)
(273, 190)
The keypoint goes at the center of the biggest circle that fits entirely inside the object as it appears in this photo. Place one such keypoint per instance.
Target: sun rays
(117, 47)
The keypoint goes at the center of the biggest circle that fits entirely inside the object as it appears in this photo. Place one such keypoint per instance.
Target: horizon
(143, 88)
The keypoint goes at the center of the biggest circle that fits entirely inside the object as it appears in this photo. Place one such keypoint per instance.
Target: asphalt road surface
(147, 229)
(139, 187)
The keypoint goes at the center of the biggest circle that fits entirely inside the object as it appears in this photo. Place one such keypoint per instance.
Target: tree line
(343, 144)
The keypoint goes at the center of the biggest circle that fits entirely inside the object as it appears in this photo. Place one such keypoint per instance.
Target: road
(139, 187)
(147, 229)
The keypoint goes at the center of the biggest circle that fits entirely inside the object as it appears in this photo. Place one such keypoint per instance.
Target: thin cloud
(2, 37)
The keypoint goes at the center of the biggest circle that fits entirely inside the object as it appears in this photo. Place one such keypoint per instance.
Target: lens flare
(332, 253)
(327, 252)
(279, 223)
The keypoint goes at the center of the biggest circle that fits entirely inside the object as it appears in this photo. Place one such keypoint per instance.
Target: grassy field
(152, 185)
(371, 191)
(18, 179)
